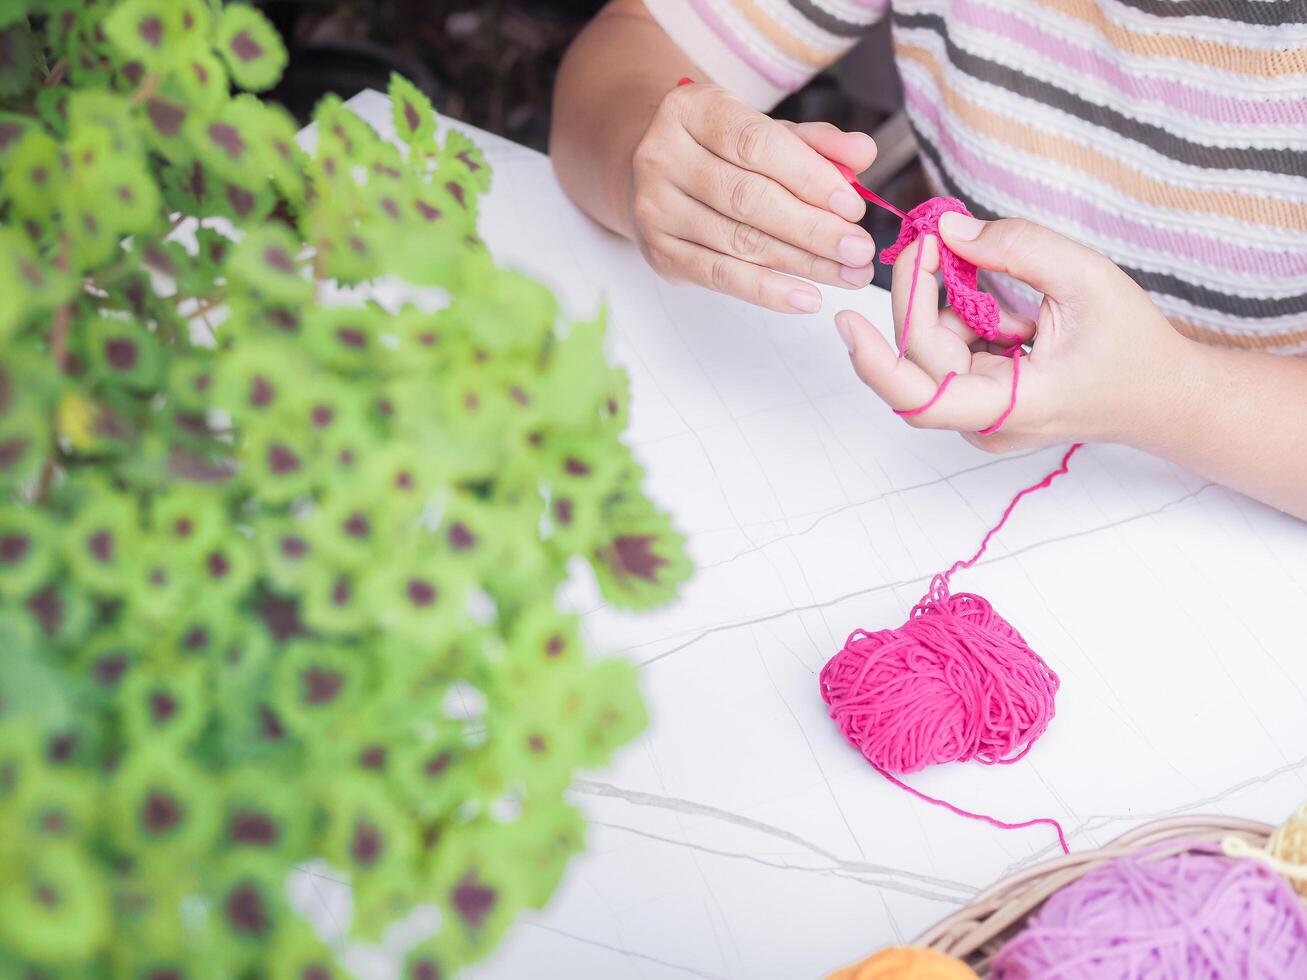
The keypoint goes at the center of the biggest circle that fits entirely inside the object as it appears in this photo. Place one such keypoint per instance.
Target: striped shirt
(1170, 135)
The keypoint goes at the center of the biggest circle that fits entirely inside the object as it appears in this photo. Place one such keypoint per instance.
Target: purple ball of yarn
(1195, 915)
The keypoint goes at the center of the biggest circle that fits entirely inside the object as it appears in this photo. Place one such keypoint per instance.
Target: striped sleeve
(762, 50)
(1170, 136)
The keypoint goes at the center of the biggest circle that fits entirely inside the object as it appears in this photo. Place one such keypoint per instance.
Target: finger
(900, 383)
(693, 221)
(762, 203)
(999, 442)
(856, 151)
(686, 261)
(1016, 325)
(745, 137)
(1009, 324)
(914, 291)
(1051, 263)
(967, 402)
(914, 295)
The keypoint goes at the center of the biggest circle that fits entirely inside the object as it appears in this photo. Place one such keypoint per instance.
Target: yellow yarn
(1289, 845)
(907, 963)
(1285, 850)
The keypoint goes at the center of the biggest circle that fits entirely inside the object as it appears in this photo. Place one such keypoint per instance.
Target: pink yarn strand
(985, 818)
(956, 682)
(866, 193)
(1012, 400)
(904, 412)
(1007, 512)
(976, 309)
(907, 313)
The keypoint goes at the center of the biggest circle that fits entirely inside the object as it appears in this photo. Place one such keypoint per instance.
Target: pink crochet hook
(871, 196)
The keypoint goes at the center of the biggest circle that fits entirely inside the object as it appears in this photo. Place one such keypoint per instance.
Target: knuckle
(1015, 229)
(751, 140)
(659, 260)
(816, 268)
(719, 273)
(812, 235)
(747, 241)
(676, 99)
(683, 103)
(649, 157)
(747, 194)
(646, 211)
(1103, 273)
(1019, 243)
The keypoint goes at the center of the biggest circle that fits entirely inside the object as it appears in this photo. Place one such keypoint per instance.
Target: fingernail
(856, 250)
(855, 277)
(960, 227)
(846, 332)
(846, 204)
(804, 301)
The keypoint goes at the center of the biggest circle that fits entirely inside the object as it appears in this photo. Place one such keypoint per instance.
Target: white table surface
(740, 836)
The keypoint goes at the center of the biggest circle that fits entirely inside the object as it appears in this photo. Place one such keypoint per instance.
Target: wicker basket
(975, 932)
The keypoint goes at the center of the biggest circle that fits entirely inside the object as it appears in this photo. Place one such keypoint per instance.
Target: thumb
(1039, 256)
(855, 150)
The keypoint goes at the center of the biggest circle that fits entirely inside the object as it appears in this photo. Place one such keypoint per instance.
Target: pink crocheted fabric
(977, 310)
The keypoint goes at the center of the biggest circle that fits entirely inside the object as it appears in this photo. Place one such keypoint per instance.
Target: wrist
(1176, 398)
(619, 191)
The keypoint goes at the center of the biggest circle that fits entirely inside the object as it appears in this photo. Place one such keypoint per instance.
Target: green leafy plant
(278, 562)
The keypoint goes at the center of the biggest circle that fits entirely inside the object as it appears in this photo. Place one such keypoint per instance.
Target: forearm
(610, 83)
(1239, 418)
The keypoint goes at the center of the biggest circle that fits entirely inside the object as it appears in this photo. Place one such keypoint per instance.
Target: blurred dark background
(493, 63)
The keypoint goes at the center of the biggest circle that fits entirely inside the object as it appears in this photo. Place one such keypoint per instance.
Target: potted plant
(278, 561)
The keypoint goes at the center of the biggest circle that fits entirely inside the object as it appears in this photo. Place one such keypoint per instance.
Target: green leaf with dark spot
(33, 174)
(463, 161)
(201, 77)
(224, 141)
(641, 561)
(12, 127)
(29, 549)
(267, 260)
(251, 47)
(143, 30)
(412, 115)
(100, 543)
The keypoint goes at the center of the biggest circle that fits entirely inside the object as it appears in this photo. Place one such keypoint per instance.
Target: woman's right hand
(726, 197)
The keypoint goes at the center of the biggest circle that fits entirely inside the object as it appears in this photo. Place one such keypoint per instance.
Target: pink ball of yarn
(955, 682)
(1197, 915)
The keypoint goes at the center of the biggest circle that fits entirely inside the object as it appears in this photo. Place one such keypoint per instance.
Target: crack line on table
(637, 798)
(843, 508)
(847, 870)
(816, 761)
(624, 952)
(1100, 820)
(873, 590)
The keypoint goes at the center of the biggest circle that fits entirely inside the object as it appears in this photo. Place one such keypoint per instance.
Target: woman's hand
(726, 197)
(1104, 364)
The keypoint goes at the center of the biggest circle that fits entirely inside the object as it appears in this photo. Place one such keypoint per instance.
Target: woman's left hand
(1104, 364)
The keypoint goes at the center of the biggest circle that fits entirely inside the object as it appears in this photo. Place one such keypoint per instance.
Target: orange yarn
(907, 963)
